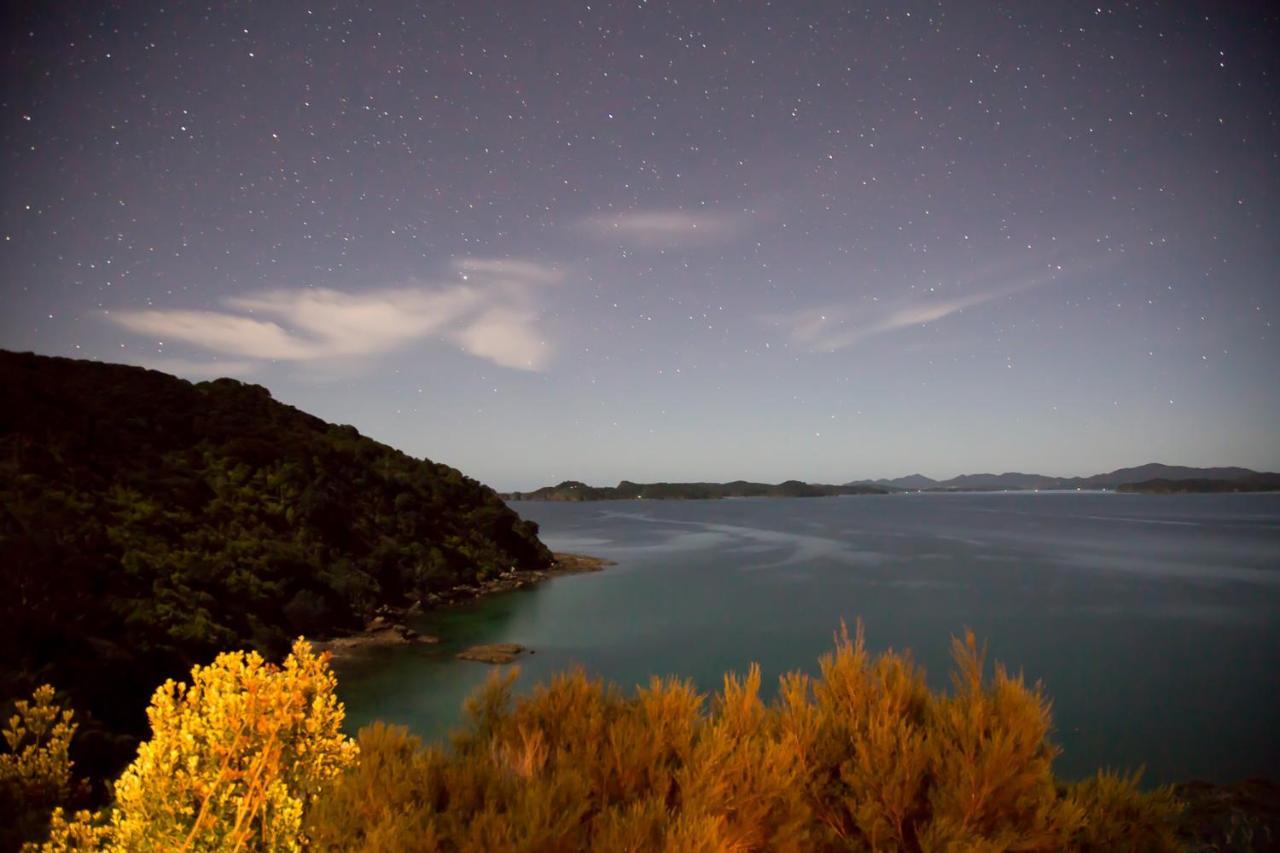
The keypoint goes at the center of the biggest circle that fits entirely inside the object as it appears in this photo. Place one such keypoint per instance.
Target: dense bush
(233, 761)
(36, 766)
(863, 758)
(148, 523)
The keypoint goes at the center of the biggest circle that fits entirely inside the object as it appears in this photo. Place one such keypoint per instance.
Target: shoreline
(387, 627)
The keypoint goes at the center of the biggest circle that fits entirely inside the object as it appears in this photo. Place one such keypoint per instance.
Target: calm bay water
(1154, 621)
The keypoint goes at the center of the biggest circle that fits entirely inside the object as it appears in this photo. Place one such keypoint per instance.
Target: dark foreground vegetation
(863, 757)
(572, 490)
(147, 523)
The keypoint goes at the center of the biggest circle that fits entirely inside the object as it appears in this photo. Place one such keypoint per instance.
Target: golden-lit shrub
(861, 728)
(84, 831)
(991, 763)
(234, 756)
(1120, 817)
(387, 800)
(740, 779)
(863, 757)
(233, 761)
(35, 768)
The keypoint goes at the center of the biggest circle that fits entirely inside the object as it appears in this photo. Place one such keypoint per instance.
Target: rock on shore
(386, 628)
(492, 653)
(379, 632)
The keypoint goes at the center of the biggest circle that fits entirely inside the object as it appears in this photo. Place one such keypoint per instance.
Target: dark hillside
(147, 522)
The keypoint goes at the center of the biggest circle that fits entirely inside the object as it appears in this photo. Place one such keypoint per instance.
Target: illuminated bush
(864, 757)
(1120, 817)
(35, 768)
(233, 761)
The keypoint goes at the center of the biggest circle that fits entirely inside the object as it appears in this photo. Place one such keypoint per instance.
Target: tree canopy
(147, 523)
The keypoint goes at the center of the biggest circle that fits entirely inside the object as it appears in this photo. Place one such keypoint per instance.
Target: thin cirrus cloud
(665, 228)
(838, 327)
(507, 269)
(490, 315)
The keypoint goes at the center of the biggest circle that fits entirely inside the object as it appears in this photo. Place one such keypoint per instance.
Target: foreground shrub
(233, 761)
(864, 757)
(1120, 817)
(36, 767)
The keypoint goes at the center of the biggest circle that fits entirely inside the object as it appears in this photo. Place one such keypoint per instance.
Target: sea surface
(1153, 621)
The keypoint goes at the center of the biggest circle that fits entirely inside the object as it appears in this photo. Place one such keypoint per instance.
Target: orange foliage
(864, 757)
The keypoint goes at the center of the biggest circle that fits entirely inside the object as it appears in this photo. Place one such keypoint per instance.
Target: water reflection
(1154, 621)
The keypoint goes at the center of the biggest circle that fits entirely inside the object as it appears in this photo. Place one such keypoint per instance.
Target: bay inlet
(1153, 621)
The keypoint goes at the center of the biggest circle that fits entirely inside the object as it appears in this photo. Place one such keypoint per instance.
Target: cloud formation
(507, 269)
(489, 315)
(837, 327)
(665, 228)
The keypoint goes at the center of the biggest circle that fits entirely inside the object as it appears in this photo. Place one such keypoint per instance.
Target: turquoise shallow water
(1154, 621)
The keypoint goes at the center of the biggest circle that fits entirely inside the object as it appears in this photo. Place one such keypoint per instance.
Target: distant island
(572, 490)
(1256, 483)
(1151, 478)
(1017, 481)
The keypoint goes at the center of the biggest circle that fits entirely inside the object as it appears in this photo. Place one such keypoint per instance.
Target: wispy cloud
(510, 270)
(665, 228)
(489, 314)
(836, 327)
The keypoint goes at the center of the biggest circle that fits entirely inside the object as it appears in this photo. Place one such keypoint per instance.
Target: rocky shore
(387, 626)
(492, 653)
(1242, 816)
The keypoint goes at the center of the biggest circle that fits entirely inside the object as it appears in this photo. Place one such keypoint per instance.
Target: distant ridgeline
(1144, 478)
(1254, 483)
(571, 490)
(1153, 478)
(147, 522)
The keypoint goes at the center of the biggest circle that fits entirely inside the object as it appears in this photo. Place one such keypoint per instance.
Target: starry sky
(683, 241)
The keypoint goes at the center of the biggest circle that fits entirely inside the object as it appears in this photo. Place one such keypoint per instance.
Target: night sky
(694, 240)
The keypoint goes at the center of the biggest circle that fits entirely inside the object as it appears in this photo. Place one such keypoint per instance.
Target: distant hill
(1253, 483)
(910, 482)
(1010, 480)
(1156, 471)
(147, 522)
(572, 490)
(1015, 481)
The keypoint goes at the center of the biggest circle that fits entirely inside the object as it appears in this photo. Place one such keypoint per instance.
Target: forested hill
(147, 522)
(1262, 482)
